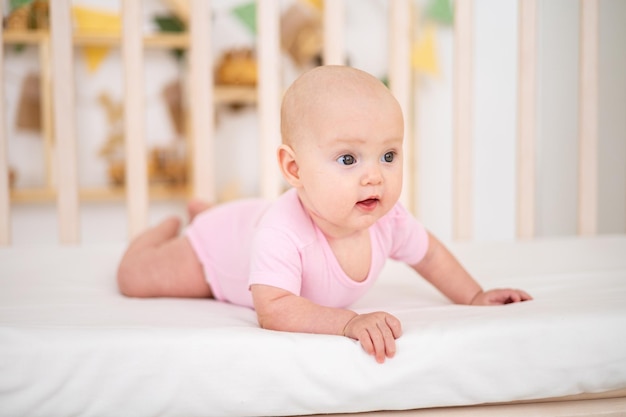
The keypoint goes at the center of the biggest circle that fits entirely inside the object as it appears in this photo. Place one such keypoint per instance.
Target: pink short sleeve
(409, 238)
(275, 261)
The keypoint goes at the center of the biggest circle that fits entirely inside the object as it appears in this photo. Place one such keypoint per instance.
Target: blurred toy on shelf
(237, 67)
(166, 166)
(28, 16)
(113, 147)
(302, 33)
(173, 96)
(28, 115)
(12, 177)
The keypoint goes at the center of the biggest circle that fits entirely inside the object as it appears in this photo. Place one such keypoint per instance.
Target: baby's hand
(500, 296)
(377, 333)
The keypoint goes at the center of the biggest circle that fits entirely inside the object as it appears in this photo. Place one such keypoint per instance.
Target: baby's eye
(346, 160)
(389, 156)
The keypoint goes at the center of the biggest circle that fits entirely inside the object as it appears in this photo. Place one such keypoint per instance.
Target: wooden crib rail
(462, 106)
(5, 195)
(269, 92)
(64, 113)
(134, 118)
(588, 119)
(526, 112)
(526, 123)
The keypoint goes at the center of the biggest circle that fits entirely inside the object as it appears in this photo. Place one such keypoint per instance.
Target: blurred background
(99, 94)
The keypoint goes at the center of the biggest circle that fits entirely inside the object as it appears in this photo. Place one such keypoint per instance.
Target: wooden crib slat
(47, 124)
(526, 120)
(400, 85)
(5, 202)
(269, 94)
(333, 52)
(201, 107)
(134, 117)
(64, 112)
(588, 118)
(463, 115)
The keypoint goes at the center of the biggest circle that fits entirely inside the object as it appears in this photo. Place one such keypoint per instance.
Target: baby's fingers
(516, 296)
(524, 296)
(394, 325)
(389, 339)
(379, 344)
(502, 296)
(372, 342)
(376, 332)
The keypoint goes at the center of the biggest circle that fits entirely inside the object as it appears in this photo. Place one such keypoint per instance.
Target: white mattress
(70, 345)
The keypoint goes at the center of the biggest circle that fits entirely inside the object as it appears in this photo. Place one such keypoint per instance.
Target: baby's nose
(372, 175)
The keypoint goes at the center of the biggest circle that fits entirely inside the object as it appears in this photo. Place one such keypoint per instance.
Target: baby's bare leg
(160, 263)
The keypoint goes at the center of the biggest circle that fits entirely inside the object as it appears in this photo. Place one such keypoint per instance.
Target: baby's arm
(441, 269)
(278, 309)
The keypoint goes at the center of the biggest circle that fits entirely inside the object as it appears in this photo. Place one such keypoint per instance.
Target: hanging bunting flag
(18, 3)
(440, 11)
(94, 21)
(247, 14)
(424, 54)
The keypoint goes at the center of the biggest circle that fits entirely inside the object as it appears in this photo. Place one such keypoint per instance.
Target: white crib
(71, 345)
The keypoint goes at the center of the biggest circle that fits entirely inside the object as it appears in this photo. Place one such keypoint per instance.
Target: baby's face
(350, 161)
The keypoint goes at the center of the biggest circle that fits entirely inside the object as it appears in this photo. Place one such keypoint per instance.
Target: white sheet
(70, 345)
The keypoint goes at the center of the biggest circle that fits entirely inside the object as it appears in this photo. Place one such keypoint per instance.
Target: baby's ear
(288, 165)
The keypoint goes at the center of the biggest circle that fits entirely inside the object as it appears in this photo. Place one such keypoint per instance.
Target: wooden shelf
(235, 95)
(223, 94)
(83, 38)
(97, 194)
(165, 41)
(24, 36)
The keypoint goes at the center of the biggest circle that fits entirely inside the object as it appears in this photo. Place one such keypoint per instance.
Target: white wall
(558, 114)
(612, 117)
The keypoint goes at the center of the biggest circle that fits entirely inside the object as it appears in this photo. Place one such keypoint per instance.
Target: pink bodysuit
(257, 242)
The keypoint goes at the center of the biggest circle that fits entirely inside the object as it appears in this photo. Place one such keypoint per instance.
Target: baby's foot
(195, 207)
(169, 227)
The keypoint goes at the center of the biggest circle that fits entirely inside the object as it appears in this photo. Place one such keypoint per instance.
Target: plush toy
(237, 67)
(167, 165)
(28, 115)
(114, 145)
(18, 18)
(32, 15)
(40, 14)
(113, 148)
(301, 32)
(172, 94)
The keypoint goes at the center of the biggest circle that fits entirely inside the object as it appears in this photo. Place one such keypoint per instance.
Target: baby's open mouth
(369, 203)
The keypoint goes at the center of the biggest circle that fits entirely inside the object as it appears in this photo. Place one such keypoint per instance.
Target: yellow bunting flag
(95, 22)
(424, 54)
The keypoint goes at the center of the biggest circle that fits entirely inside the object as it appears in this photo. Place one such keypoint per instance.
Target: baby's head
(322, 88)
(342, 133)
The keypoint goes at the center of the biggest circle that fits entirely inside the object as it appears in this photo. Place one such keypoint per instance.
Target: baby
(301, 260)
